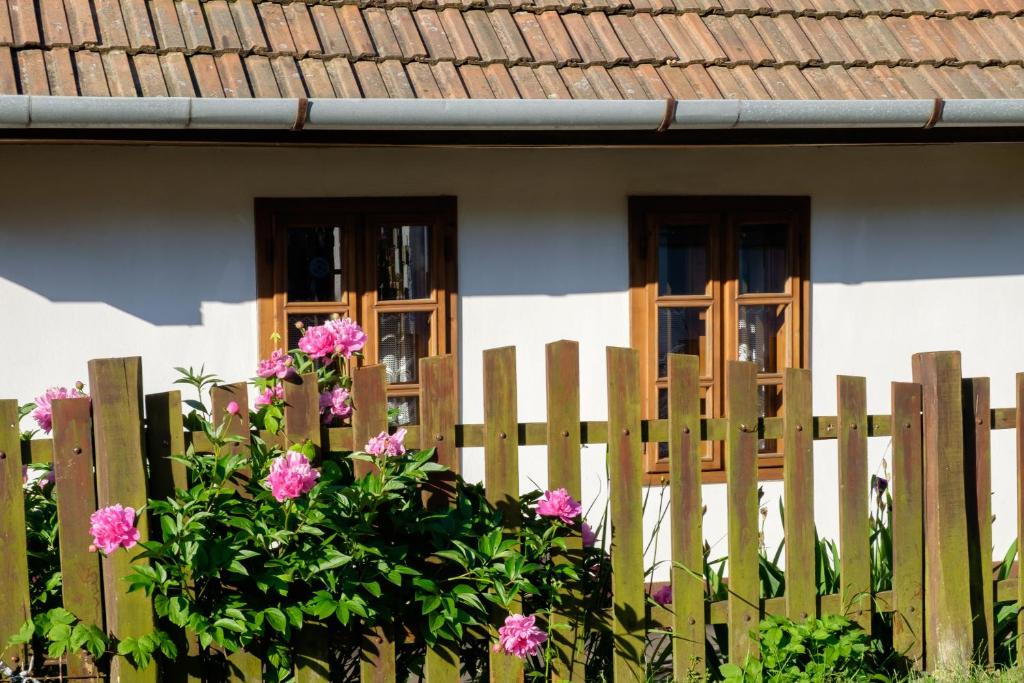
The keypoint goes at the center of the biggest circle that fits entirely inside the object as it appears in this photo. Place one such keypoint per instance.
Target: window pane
(663, 415)
(682, 260)
(403, 262)
(314, 264)
(769, 402)
(762, 336)
(681, 330)
(408, 408)
(308, 320)
(404, 339)
(762, 256)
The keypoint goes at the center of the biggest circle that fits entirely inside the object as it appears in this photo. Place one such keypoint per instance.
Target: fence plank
(1020, 507)
(563, 436)
(72, 470)
(908, 523)
(14, 596)
(798, 472)
(370, 418)
(978, 490)
(625, 467)
(741, 477)
(950, 632)
(687, 521)
(438, 415)
(116, 385)
(301, 425)
(501, 469)
(854, 528)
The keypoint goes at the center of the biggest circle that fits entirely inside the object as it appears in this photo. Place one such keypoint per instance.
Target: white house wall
(119, 250)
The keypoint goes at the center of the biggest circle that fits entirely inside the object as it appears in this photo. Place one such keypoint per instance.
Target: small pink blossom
(317, 342)
(559, 503)
(43, 414)
(520, 636)
(113, 527)
(278, 365)
(269, 395)
(663, 596)
(589, 536)
(348, 336)
(233, 408)
(387, 444)
(291, 476)
(334, 403)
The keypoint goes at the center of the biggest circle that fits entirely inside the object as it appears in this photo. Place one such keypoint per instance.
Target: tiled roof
(608, 49)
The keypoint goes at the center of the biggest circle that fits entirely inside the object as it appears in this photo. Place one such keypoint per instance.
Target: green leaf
(276, 619)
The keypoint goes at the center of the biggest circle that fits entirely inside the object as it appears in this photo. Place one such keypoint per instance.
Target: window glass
(314, 264)
(681, 330)
(408, 408)
(682, 260)
(403, 262)
(762, 336)
(769, 404)
(762, 258)
(404, 339)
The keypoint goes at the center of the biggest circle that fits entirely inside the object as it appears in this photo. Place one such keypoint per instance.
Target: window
(722, 278)
(387, 263)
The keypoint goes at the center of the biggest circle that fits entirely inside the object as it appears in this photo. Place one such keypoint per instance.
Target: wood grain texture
(116, 390)
(978, 491)
(741, 471)
(854, 529)
(563, 408)
(625, 469)
(14, 597)
(798, 472)
(73, 471)
(687, 519)
(501, 470)
(950, 634)
(908, 523)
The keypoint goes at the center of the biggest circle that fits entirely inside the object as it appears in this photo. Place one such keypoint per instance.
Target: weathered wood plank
(116, 387)
(854, 528)
(978, 491)
(684, 446)
(73, 471)
(438, 415)
(798, 472)
(950, 633)
(14, 596)
(741, 475)
(908, 523)
(563, 437)
(501, 469)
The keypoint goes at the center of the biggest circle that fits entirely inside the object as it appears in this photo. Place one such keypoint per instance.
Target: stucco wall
(148, 250)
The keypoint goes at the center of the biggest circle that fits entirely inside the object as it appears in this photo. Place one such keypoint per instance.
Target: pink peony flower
(589, 536)
(113, 527)
(559, 503)
(43, 414)
(278, 365)
(663, 596)
(269, 395)
(348, 336)
(334, 403)
(318, 342)
(291, 476)
(387, 444)
(233, 408)
(520, 636)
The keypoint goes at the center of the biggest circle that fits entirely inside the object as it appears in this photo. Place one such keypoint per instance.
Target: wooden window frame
(357, 217)
(721, 298)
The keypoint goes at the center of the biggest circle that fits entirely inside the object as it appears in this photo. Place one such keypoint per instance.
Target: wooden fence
(939, 426)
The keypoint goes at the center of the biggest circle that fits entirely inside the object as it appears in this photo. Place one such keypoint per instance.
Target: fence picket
(302, 425)
(563, 435)
(438, 415)
(798, 472)
(687, 520)
(73, 471)
(854, 530)
(978, 489)
(370, 418)
(501, 470)
(907, 523)
(116, 388)
(14, 595)
(625, 467)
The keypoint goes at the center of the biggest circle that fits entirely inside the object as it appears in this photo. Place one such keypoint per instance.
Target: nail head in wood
(76, 450)
(565, 433)
(439, 437)
(502, 435)
(3, 456)
(799, 428)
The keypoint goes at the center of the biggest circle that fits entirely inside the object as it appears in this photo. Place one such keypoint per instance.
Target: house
(831, 184)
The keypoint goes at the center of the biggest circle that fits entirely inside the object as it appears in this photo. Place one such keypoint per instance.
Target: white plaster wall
(148, 250)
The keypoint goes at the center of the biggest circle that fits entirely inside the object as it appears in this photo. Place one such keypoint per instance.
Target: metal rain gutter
(39, 112)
